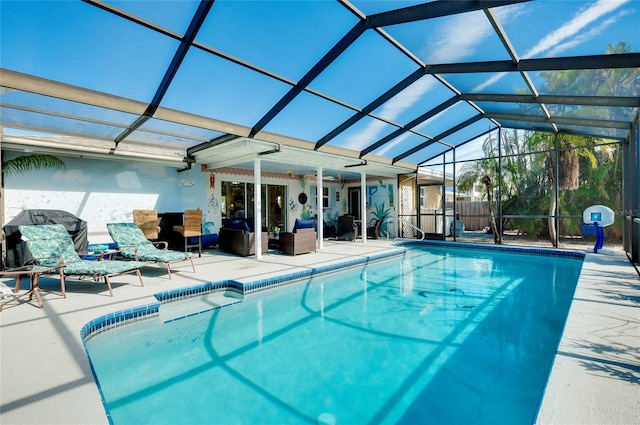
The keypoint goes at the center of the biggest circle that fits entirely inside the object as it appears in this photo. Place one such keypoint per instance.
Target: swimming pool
(439, 336)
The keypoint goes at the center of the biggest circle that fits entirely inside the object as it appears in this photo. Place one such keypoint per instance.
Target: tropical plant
(22, 164)
(306, 212)
(485, 171)
(331, 217)
(379, 211)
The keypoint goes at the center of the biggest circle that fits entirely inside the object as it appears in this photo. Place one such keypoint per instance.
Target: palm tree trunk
(497, 237)
(552, 221)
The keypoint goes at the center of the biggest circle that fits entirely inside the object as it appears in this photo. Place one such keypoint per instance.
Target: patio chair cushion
(51, 245)
(241, 225)
(304, 224)
(128, 236)
(48, 243)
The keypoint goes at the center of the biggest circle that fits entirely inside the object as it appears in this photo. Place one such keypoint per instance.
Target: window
(237, 201)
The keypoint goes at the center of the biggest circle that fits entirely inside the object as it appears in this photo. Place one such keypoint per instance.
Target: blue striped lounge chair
(133, 244)
(51, 245)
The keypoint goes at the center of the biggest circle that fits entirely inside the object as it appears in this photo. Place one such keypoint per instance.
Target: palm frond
(22, 164)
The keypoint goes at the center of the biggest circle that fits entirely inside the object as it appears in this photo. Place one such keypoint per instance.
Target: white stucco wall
(100, 191)
(103, 191)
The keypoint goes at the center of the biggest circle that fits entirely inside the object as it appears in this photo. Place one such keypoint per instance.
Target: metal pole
(319, 196)
(363, 207)
(455, 212)
(257, 212)
(443, 201)
(555, 192)
(499, 203)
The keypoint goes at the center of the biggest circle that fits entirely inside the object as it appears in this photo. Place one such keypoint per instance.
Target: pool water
(438, 336)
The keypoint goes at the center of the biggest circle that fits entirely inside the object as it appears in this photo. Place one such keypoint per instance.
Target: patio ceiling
(371, 86)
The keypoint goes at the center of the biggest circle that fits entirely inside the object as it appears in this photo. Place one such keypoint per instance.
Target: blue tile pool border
(120, 318)
(123, 317)
(548, 252)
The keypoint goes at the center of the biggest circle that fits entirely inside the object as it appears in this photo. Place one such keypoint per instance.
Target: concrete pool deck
(46, 378)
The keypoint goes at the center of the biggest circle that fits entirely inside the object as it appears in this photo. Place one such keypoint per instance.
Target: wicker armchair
(191, 228)
(300, 242)
(347, 229)
(148, 222)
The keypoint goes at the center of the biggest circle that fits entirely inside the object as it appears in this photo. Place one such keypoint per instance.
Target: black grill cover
(17, 252)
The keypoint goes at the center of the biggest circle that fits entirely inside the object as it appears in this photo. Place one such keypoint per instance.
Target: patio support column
(320, 204)
(257, 212)
(455, 205)
(500, 229)
(363, 207)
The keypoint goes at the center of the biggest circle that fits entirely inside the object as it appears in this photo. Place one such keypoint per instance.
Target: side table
(274, 241)
(33, 272)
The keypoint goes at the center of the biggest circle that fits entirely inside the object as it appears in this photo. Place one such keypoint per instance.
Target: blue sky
(79, 44)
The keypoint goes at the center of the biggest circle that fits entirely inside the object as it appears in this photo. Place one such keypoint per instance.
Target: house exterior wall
(101, 191)
(104, 191)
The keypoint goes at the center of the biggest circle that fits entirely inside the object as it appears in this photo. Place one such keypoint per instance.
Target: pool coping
(123, 317)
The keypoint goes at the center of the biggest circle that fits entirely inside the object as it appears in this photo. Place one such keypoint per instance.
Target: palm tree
(486, 171)
(22, 164)
(583, 82)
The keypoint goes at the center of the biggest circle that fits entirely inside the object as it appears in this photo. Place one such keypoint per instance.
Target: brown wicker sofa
(239, 242)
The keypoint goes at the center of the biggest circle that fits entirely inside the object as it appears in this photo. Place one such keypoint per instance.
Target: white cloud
(458, 38)
(493, 79)
(583, 18)
(361, 140)
(567, 36)
(580, 39)
(391, 110)
(73, 175)
(394, 143)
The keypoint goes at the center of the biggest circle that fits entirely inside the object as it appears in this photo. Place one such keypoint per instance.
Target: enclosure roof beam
(622, 125)
(621, 101)
(612, 61)
(434, 9)
(337, 49)
(406, 82)
(178, 57)
(422, 118)
(438, 137)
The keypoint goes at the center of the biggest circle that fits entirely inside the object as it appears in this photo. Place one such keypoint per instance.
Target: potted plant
(276, 231)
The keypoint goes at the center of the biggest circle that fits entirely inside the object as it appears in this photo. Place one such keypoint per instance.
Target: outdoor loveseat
(236, 237)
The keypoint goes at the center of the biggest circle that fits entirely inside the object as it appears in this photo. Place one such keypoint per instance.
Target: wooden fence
(475, 214)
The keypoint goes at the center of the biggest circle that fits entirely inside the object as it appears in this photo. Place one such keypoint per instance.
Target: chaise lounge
(133, 244)
(51, 245)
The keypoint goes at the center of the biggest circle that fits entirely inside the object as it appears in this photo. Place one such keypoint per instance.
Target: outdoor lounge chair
(134, 245)
(51, 245)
